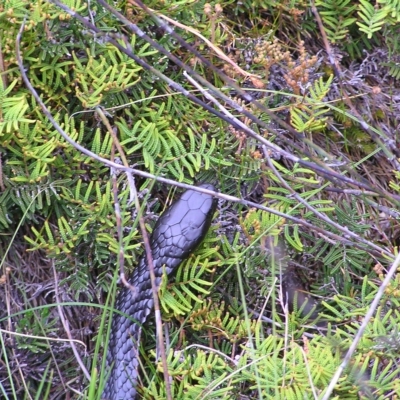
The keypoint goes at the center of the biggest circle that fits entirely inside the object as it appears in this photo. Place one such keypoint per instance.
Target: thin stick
(248, 97)
(144, 174)
(64, 321)
(150, 265)
(316, 165)
(388, 146)
(368, 316)
(146, 241)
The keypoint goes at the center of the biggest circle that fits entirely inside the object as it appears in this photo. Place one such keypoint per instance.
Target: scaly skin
(176, 234)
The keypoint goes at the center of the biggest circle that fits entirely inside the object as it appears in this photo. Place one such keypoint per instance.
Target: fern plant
(372, 18)
(337, 16)
(96, 80)
(219, 348)
(308, 115)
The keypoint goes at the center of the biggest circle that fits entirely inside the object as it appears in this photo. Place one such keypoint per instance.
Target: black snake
(178, 231)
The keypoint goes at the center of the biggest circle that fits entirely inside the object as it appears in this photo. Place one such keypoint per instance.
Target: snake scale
(178, 231)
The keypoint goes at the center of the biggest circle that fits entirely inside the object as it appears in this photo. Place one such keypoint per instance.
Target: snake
(176, 234)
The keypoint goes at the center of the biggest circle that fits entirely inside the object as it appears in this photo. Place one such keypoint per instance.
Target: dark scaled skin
(178, 231)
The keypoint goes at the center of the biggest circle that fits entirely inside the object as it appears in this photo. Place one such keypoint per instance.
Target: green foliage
(193, 375)
(13, 109)
(308, 116)
(158, 143)
(298, 178)
(95, 79)
(337, 16)
(394, 69)
(191, 285)
(277, 369)
(393, 8)
(64, 200)
(372, 18)
(354, 24)
(258, 223)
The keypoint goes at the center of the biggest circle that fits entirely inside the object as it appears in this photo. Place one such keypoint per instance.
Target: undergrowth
(273, 299)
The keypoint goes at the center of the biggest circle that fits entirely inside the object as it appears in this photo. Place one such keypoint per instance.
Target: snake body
(178, 231)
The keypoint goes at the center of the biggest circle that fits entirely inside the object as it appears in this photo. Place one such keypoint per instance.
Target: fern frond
(14, 109)
(309, 116)
(337, 17)
(373, 18)
(393, 8)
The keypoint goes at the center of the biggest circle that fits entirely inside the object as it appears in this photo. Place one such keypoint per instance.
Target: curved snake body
(176, 234)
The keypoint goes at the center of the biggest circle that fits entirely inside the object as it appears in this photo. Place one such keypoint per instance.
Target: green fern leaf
(373, 19)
